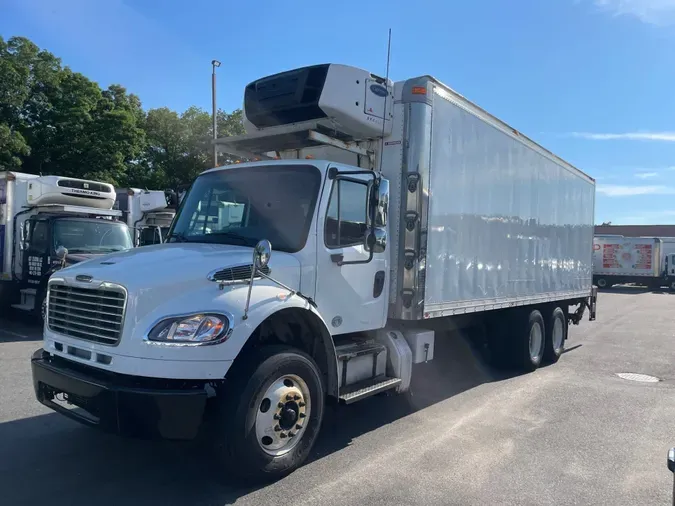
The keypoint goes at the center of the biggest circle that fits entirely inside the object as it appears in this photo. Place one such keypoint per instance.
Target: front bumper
(122, 404)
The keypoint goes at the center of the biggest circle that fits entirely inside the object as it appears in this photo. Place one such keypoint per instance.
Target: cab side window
(346, 222)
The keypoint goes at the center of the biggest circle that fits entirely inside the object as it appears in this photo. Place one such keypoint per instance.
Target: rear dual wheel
(525, 339)
(556, 335)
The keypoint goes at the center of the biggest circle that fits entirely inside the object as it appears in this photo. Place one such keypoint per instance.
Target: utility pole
(214, 64)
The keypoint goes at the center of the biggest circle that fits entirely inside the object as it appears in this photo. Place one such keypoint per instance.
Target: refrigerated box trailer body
(641, 260)
(503, 222)
(376, 215)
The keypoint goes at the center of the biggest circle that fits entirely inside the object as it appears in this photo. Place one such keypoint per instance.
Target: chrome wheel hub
(536, 339)
(282, 415)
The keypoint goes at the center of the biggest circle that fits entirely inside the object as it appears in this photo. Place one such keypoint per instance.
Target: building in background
(636, 230)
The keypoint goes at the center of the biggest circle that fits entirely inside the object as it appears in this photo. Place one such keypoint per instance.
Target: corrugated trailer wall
(507, 224)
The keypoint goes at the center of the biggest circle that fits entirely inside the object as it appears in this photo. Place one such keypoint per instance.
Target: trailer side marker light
(419, 90)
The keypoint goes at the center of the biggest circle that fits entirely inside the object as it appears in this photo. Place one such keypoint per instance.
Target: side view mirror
(262, 253)
(61, 252)
(24, 235)
(376, 240)
(381, 202)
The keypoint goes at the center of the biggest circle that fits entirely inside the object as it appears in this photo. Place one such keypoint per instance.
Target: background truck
(647, 261)
(378, 216)
(49, 222)
(148, 213)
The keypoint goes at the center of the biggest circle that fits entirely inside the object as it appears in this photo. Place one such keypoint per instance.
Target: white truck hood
(176, 266)
(168, 280)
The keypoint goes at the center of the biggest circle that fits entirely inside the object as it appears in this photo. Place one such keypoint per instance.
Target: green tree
(56, 121)
(179, 147)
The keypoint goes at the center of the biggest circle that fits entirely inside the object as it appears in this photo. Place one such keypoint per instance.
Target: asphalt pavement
(571, 433)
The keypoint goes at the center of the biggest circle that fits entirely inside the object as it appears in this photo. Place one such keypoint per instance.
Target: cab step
(358, 349)
(367, 388)
(23, 307)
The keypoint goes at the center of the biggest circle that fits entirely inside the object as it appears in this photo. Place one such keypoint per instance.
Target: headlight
(194, 329)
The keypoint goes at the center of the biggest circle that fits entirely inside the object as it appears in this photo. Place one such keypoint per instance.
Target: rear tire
(276, 396)
(528, 341)
(556, 335)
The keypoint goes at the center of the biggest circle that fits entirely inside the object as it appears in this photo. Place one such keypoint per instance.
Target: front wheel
(271, 413)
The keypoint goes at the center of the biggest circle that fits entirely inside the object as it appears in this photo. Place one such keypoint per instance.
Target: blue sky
(592, 80)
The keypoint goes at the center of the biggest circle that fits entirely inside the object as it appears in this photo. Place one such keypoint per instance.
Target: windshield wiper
(231, 235)
(177, 238)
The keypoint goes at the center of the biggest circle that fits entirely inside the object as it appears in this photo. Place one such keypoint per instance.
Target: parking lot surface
(571, 433)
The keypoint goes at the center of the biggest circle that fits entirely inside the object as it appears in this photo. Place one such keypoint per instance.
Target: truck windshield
(91, 236)
(241, 206)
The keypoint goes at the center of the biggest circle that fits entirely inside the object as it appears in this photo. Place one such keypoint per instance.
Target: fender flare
(324, 336)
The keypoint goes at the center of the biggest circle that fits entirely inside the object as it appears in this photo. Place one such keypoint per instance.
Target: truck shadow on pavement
(14, 329)
(78, 466)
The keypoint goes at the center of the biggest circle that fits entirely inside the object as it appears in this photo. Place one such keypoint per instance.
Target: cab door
(36, 257)
(351, 297)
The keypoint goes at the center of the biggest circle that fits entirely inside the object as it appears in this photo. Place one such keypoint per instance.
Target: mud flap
(593, 302)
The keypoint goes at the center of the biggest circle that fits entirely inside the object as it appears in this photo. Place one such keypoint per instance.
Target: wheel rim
(602, 283)
(282, 415)
(672, 285)
(536, 339)
(558, 334)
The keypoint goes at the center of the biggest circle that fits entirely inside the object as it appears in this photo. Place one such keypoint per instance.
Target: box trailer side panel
(627, 256)
(507, 224)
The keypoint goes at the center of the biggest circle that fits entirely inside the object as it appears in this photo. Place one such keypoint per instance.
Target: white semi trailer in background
(646, 261)
(148, 213)
(47, 222)
(379, 215)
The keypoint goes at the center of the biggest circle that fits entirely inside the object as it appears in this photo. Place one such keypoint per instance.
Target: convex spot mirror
(61, 252)
(376, 240)
(262, 253)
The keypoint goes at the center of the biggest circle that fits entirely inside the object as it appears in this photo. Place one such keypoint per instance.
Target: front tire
(271, 413)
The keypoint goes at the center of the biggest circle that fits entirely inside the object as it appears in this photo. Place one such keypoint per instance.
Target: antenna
(384, 119)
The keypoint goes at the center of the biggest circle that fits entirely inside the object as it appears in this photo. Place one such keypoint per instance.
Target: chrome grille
(91, 314)
(237, 273)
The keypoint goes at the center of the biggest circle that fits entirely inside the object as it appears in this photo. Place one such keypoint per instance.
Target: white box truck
(148, 213)
(46, 223)
(377, 213)
(646, 261)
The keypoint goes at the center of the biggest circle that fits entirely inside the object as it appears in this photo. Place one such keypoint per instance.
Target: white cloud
(646, 175)
(629, 136)
(615, 190)
(656, 12)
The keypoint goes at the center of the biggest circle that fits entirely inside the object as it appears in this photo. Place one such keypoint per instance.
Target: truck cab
(54, 241)
(148, 213)
(48, 223)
